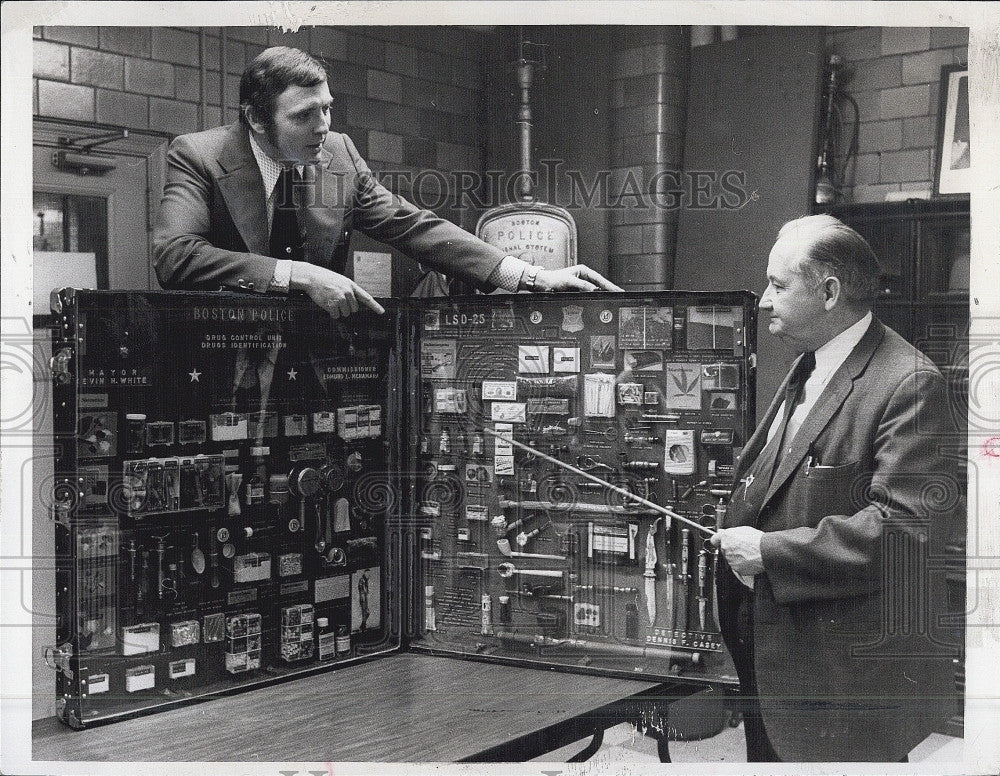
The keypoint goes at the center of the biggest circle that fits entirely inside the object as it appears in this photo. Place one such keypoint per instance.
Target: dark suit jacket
(846, 666)
(212, 229)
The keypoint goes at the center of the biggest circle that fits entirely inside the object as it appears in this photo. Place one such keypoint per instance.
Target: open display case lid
(570, 449)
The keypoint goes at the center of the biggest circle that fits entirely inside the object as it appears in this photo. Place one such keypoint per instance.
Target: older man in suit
(830, 486)
(268, 204)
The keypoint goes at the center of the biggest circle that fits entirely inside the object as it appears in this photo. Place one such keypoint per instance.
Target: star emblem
(194, 374)
(292, 373)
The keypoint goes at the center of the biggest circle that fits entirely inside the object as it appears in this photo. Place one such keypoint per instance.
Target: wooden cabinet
(924, 295)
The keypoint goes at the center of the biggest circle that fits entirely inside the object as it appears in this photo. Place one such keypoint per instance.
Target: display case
(248, 491)
(528, 410)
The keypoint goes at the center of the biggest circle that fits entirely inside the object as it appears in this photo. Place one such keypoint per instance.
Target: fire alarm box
(486, 477)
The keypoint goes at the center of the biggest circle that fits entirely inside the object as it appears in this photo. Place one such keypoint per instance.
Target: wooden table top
(402, 708)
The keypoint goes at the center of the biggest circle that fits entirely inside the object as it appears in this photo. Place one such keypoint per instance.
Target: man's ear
(251, 116)
(831, 292)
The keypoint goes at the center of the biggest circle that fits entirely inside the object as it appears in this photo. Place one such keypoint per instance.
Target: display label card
(451, 401)
(437, 359)
(565, 359)
(683, 387)
(502, 444)
(509, 412)
(93, 401)
(503, 465)
(499, 390)
(533, 359)
(678, 451)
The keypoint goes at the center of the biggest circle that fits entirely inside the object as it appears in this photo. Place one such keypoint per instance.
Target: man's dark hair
(270, 73)
(834, 249)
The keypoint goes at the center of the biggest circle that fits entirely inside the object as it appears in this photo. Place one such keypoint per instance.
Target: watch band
(531, 277)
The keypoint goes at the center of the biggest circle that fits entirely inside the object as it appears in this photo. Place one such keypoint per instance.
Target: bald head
(821, 279)
(827, 248)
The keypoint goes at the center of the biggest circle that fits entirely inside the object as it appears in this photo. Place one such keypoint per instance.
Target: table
(402, 708)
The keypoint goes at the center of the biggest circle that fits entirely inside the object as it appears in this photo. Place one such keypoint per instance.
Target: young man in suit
(830, 515)
(268, 204)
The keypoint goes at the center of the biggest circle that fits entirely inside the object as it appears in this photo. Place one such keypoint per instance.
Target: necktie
(247, 394)
(286, 240)
(758, 477)
(793, 392)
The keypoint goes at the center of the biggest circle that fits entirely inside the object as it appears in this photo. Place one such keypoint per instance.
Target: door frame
(147, 146)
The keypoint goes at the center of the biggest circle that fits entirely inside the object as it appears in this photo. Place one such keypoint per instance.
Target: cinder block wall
(410, 98)
(650, 82)
(897, 71)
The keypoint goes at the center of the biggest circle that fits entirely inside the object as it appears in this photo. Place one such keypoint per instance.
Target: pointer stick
(620, 491)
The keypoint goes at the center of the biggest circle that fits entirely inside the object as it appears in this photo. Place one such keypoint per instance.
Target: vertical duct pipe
(223, 71)
(648, 136)
(202, 75)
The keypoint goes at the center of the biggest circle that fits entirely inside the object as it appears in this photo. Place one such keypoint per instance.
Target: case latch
(59, 365)
(57, 658)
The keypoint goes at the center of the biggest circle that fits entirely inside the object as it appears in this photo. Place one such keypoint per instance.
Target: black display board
(525, 560)
(248, 491)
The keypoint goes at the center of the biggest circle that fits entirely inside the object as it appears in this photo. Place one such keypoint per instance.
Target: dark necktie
(247, 394)
(757, 482)
(286, 240)
(793, 393)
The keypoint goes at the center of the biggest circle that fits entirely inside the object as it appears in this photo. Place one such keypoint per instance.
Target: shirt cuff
(282, 277)
(507, 274)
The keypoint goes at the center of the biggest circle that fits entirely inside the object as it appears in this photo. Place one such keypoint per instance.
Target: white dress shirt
(829, 357)
(507, 274)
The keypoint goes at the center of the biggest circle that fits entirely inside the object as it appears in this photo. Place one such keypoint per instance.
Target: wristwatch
(530, 277)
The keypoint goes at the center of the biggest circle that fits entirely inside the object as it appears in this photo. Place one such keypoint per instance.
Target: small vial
(486, 628)
(343, 639)
(257, 484)
(326, 648)
(503, 612)
(430, 617)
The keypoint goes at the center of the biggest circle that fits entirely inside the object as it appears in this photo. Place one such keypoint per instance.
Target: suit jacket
(212, 228)
(845, 665)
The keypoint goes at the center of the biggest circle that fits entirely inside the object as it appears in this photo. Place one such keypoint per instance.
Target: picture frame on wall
(953, 168)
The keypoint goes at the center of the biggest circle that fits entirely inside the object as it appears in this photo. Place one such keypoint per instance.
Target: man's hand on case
(741, 548)
(579, 277)
(337, 294)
